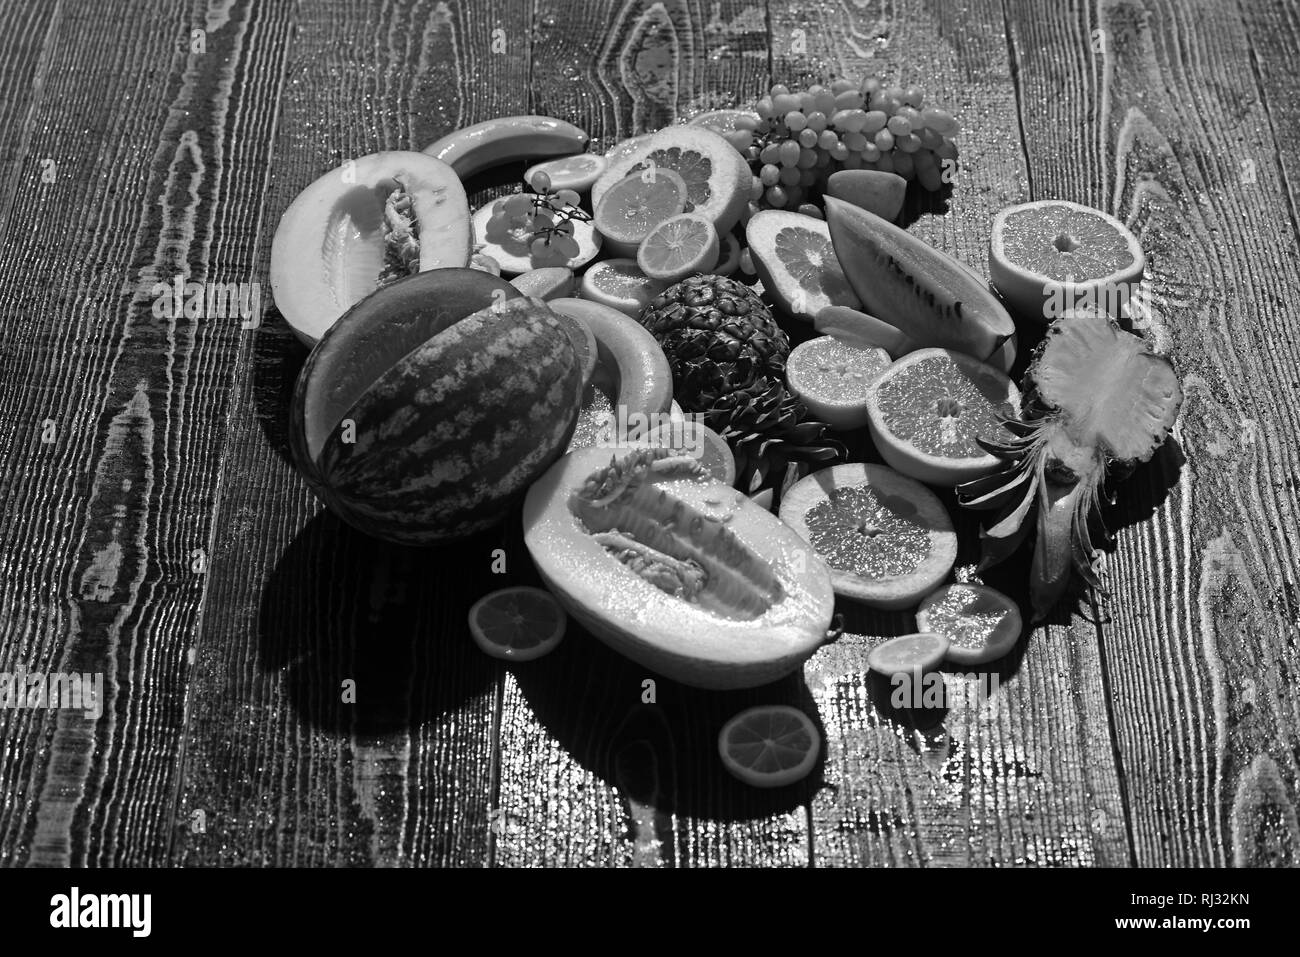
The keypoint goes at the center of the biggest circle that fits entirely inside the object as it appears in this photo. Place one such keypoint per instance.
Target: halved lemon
(578, 172)
(887, 539)
(908, 654)
(927, 409)
(981, 624)
(678, 247)
(620, 284)
(517, 624)
(1050, 257)
(769, 746)
(637, 204)
(833, 380)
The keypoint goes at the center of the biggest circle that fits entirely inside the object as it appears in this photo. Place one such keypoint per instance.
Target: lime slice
(908, 654)
(981, 624)
(1051, 256)
(887, 539)
(700, 441)
(769, 746)
(577, 173)
(833, 380)
(635, 205)
(928, 408)
(517, 624)
(620, 284)
(678, 247)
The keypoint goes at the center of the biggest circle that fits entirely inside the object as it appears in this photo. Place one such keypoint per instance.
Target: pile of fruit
(611, 346)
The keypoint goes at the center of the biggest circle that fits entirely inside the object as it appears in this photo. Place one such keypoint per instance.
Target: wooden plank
(590, 773)
(99, 523)
(1024, 775)
(1178, 140)
(27, 35)
(279, 770)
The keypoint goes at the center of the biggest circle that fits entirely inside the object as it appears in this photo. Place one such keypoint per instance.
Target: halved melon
(364, 224)
(675, 570)
(717, 177)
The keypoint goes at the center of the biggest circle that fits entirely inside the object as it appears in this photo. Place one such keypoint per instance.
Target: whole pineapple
(727, 356)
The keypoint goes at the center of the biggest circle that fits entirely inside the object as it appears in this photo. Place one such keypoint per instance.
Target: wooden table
(154, 529)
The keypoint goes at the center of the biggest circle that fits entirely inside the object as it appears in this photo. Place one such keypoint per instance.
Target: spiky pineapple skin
(728, 355)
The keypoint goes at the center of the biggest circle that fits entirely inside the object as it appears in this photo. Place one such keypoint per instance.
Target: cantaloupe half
(676, 571)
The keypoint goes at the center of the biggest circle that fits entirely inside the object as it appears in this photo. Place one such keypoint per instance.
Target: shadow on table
(340, 606)
(278, 357)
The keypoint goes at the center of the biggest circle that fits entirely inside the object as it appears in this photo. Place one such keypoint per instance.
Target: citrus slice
(517, 624)
(699, 440)
(797, 263)
(833, 379)
(678, 247)
(769, 746)
(620, 284)
(981, 624)
(717, 177)
(887, 539)
(635, 205)
(578, 172)
(926, 411)
(728, 255)
(547, 283)
(1052, 256)
(908, 654)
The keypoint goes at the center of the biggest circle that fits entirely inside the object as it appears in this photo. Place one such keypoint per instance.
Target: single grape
(808, 209)
(924, 158)
(856, 142)
(756, 188)
(839, 152)
(816, 121)
(842, 86)
(789, 153)
(877, 100)
(740, 139)
(539, 246)
(779, 89)
(815, 89)
(498, 209)
(569, 197)
(848, 100)
(518, 204)
(807, 138)
(769, 174)
(807, 159)
(790, 176)
(899, 125)
(884, 141)
(751, 209)
(745, 122)
(871, 153)
(874, 121)
(870, 84)
(771, 153)
(564, 227)
(896, 93)
(912, 96)
(824, 101)
(909, 143)
(795, 121)
(946, 150)
(929, 138)
(541, 181)
(776, 197)
(828, 140)
(747, 262)
(904, 166)
(751, 154)
(785, 103)
(941, 121)
(543, 219)
(854, 121)
(807, 102)
(914, 116)
(765, 109)
(930, 178)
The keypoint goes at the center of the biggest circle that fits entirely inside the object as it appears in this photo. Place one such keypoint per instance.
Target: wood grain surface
(153, 529)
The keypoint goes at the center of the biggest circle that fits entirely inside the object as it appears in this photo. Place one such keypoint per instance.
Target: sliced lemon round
(517, 624)
(769, 746)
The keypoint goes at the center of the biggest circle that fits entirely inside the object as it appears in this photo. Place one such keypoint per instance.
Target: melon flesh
(714, 592)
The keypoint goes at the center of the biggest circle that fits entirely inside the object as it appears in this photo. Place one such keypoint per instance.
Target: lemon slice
(927, 410)
(635, 205)
(678, 247)
(769, 746)
(833, 380)
(517, 624)
(620, 284)
(908, 654)
(981, 624)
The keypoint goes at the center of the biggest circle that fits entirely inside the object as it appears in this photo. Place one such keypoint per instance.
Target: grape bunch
(542, 218)
(801, 137)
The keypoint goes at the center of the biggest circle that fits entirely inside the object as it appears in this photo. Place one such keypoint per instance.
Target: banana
(506, 139)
